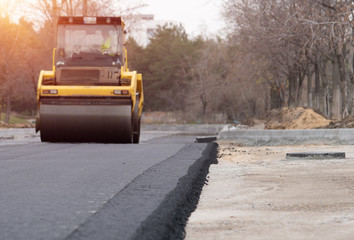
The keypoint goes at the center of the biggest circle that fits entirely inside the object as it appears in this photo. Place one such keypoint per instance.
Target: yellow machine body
(84, 98)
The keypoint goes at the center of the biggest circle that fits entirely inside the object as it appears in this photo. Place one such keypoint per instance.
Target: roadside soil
(256, 193)
(295, 118)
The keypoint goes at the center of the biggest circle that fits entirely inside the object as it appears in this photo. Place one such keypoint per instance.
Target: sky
(197, 16)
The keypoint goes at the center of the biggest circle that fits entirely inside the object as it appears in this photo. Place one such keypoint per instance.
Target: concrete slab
(18, 133)
(253, 137)
(253, 193)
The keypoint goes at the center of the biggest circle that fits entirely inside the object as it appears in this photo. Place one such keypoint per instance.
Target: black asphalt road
(89, 191)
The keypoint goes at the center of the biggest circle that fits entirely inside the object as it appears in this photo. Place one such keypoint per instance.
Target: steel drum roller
(86, 123)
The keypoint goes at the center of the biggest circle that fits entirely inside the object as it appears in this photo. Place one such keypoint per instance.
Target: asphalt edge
(147, 209)
(169, 220)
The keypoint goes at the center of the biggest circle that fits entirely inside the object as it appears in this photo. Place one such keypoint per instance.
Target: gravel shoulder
(256, 193)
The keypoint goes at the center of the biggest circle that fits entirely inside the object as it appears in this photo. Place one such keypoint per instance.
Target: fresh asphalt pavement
(62, 190)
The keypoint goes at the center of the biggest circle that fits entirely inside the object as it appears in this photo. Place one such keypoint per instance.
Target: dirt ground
(256, 193)
(295, 118)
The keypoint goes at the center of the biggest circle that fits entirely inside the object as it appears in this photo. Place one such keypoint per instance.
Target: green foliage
(165, 78)
(182, 74)
(135, 55)
(166, 68)
(15, 120)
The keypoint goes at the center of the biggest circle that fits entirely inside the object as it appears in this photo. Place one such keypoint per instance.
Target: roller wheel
(136, 122)
(87, 123)
(45, 137)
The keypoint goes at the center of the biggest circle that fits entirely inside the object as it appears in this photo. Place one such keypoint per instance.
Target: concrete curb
(289, 137)
(18, 133)
(210, 129)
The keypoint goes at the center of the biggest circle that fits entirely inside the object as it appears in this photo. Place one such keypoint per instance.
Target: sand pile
(295, 118)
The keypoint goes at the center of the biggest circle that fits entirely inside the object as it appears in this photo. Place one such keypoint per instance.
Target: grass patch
(14, 120)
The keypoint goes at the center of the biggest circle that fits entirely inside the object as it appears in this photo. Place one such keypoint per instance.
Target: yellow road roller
(90, 95)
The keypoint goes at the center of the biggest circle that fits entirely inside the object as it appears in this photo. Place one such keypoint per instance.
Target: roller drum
(110, 123)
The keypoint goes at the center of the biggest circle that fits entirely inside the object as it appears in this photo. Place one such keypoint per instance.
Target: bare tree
(298, 39)
(207, 74)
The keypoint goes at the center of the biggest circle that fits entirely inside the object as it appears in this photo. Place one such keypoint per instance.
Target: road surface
(86, 191)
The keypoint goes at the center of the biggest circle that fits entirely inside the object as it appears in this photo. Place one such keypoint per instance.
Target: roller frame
(90, 113)
(136, 121)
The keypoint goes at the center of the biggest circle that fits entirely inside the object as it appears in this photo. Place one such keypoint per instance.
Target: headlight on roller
(50, 91)
(121, 92)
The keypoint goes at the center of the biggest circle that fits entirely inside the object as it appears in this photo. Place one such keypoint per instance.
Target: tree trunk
(351, 79)
(317, 87)
(2, 107)
(350, 93)
(292, 88)
(336, 99)
(299, 87)
(277, 94)
(252, 104)
(71, 8)
(204, 102)
(343, 83)
(8, 108)
(325, 89)
(84, 8)
(266, 105)
(309, 87)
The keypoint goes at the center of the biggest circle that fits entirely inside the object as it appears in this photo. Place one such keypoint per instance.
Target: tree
(18, 46)
(135, 55)
(208, 68)
(166, 85)
(298, 39)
